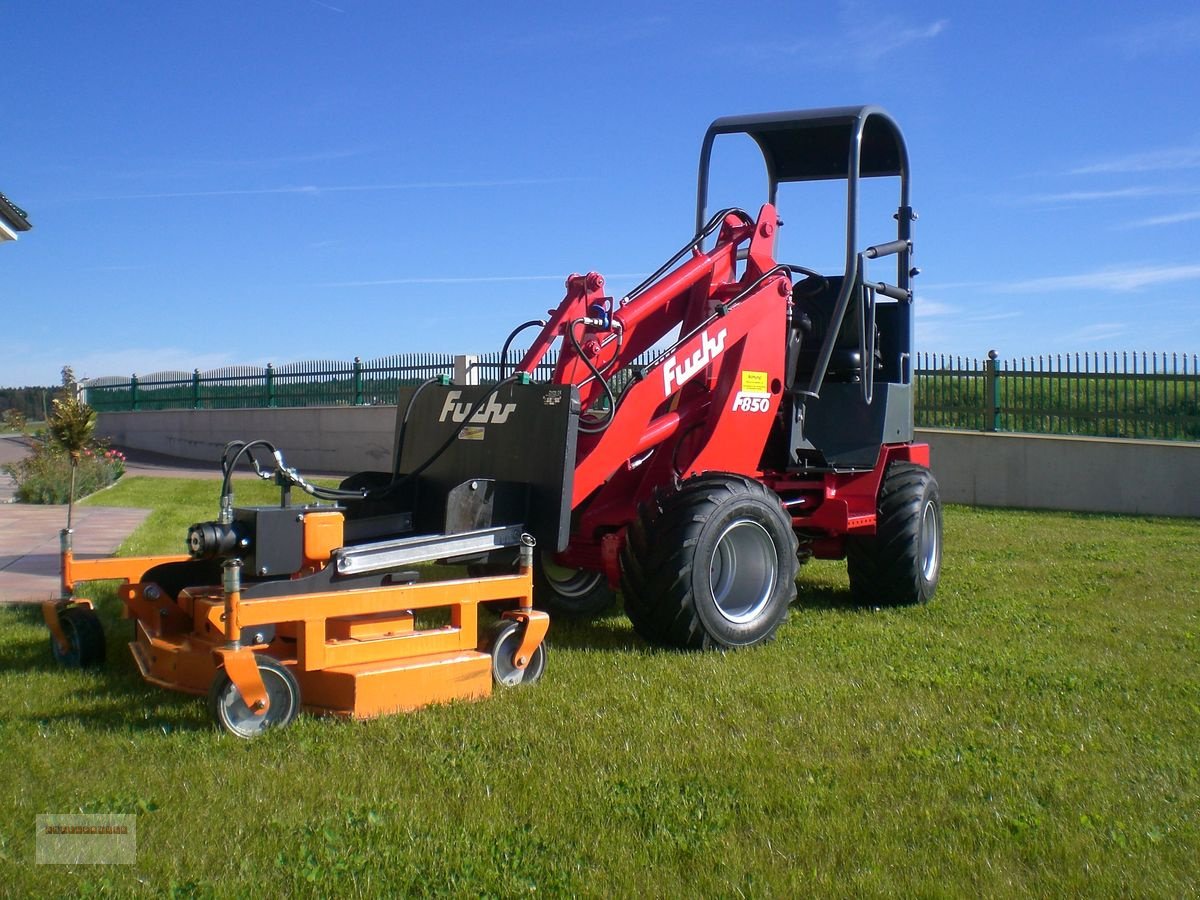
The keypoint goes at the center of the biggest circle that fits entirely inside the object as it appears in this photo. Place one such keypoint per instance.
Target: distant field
(1035, 730)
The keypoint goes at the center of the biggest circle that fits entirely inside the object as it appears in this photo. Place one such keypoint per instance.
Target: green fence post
(993, 384)
(358, 400)
(196, 389)
(133, 398)
(270, 385)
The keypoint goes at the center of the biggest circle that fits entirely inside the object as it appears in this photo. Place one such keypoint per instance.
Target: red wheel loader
(771, 423)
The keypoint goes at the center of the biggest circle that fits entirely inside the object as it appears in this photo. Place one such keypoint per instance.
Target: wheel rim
(931, 553)
(505, 672)
(742, 573)
(241, 720)
(568, 582)
(71, 657)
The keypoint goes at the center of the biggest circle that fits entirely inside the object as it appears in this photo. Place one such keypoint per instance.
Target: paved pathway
(29, 544)
(29, 568)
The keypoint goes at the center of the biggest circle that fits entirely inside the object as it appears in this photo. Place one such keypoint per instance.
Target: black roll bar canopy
(845, 142)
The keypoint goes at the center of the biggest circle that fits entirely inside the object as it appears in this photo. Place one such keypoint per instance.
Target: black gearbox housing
(268, 539)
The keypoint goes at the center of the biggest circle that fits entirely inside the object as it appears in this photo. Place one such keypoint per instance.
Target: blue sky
(317, 179)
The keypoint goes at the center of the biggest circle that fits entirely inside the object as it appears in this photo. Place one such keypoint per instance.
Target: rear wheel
(713, 565)
(901, 563)
(86, 648)
(576, 593)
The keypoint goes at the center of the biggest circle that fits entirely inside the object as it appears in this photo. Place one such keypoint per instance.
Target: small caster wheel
(233, 715)
(85, 639)
(505, 639)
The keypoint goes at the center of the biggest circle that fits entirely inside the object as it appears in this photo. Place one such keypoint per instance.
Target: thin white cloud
(1166, 160)
(601, 33)
(467, 279)
(1098, 331)
(1169, 219)
(1113, 279)
(314, 190)
(1126, 193)
(948, 286)
(327, 6)
(997, 317)
(885, 36)
(1179, 34)
(866, 37)
(1116, 280)
(180, 168)
(926, 308)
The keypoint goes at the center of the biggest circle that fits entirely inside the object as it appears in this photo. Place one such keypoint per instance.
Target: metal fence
(310, 383)
(1126, 394)
(1142, 395)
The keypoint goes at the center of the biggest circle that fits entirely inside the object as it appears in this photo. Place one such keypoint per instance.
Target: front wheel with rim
(575, 593)
(713, 565)
(231, 713)
(902, 562)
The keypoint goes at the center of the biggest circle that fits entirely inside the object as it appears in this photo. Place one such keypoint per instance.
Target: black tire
(231, 713)
(572, 593)
(86, 647)
(502, 644)
(712, 565)
(899, 565)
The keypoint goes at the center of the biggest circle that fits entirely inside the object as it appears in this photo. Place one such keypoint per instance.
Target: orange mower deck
(357, 653)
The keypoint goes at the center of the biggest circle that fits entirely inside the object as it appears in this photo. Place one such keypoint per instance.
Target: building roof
(12, 219)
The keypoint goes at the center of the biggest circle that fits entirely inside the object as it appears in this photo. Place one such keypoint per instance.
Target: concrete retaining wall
(1034, 471)
(1017, 470)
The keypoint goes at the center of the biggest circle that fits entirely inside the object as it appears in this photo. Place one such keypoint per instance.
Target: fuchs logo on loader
(682, 372)
(492, 412)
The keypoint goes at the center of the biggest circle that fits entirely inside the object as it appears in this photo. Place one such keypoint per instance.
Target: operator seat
(813, 302)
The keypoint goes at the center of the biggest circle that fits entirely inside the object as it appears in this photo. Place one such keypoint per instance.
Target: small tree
(15, 419)
(72, 425)
(69, 382)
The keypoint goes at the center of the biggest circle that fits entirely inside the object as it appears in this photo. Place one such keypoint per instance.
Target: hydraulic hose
(508, 341)
(597, 427)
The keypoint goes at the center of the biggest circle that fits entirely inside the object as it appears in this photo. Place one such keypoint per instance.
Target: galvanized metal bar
(392, 554)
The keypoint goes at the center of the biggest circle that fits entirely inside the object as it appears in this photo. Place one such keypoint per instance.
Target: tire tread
(657, 560)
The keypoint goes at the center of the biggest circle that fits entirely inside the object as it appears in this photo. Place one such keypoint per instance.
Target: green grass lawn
(1035, 730)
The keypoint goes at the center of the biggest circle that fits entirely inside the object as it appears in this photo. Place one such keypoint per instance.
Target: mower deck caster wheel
(232, 714)
(504, 641)
(85, 639)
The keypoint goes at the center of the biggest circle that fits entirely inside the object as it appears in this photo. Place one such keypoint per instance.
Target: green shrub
(14, 420)
(45, 475)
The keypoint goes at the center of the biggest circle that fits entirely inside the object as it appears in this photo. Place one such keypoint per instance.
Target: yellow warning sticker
(754, 381)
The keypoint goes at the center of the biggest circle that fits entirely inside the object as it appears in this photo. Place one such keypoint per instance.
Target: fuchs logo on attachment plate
(682, 372)
(491, 413)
